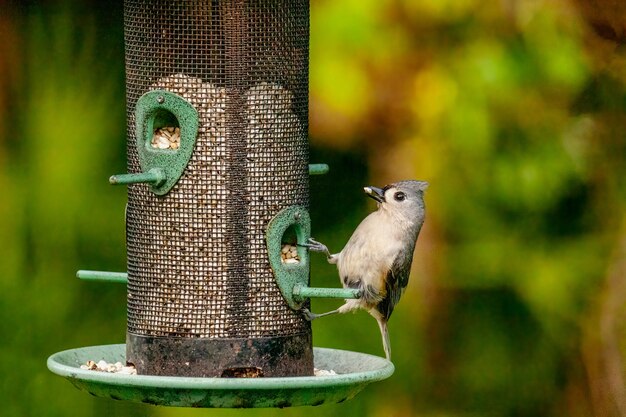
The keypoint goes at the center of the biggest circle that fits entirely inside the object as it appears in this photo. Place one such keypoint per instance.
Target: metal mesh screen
(197, 259)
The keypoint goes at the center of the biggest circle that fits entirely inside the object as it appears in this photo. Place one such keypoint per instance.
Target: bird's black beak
(377, 194)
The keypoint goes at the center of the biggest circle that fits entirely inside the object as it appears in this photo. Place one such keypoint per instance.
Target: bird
(377, 258)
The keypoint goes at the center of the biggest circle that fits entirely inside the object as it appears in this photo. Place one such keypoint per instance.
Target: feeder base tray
(354, 371)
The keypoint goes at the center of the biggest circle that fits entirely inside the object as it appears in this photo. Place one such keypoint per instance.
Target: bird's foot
(315, 246)
(308, 316)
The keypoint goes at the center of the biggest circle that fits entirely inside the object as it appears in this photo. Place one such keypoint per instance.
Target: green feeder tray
(354, 371)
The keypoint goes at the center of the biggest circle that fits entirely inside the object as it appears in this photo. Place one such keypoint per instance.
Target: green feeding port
(287, 235)
(166, 132)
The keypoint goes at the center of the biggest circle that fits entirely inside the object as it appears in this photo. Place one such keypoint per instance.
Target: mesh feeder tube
(202, 297)
(217, 217)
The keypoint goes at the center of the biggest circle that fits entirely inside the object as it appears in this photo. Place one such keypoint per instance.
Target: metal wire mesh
(197, 260)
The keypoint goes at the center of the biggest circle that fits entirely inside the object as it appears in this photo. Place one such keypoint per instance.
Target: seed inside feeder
(167, 137)
(289, 254)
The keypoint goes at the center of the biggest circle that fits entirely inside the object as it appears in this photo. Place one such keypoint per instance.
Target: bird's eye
(399, 196)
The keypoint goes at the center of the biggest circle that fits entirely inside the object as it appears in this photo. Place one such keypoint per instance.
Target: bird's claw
(308, 316)
(315, 246)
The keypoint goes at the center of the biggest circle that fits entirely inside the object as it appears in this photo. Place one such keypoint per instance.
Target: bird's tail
(382, 323)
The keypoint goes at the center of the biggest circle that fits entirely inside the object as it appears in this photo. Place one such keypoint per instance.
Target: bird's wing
(395, 283)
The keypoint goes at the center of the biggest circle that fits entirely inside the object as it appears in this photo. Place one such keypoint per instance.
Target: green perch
(299, 291)
(118, 277)
(155, 176)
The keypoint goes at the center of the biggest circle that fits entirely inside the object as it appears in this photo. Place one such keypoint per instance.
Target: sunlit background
(513, 110)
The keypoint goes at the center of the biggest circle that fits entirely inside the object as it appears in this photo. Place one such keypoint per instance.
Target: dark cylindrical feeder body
(202, 299)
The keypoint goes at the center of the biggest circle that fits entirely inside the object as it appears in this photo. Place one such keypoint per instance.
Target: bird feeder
(217, 215)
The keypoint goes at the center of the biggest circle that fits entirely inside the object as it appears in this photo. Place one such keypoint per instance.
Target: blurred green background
(513, 110)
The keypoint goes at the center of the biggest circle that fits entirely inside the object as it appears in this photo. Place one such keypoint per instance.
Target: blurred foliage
(513, 111)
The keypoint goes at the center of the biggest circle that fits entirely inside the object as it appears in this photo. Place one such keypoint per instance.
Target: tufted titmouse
(377, 258)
